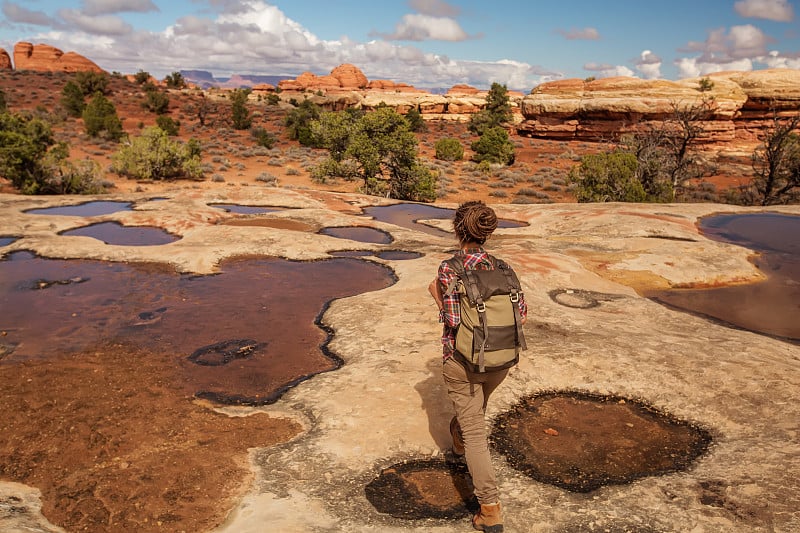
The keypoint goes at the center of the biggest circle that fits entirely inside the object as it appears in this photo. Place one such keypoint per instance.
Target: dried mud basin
(590, 333)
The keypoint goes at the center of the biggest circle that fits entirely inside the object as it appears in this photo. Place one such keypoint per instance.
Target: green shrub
(494, 147)
(170, 126)
(156, 101)
(141, 77)
(415, 121)
(100, 118)
(34, 164)
(262, 137)
(449, 149)
(239, 114)
(175, 80)
(298, 122)
(3, 102)
(92, 82)
(607, 177)
(154, 156)
(72, 99)
(273, 99)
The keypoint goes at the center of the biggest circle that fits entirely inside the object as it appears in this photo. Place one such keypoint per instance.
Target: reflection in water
(359, 234)
(406, 215)
(272, 303)
(772, 306)
(116, 233)
(246, 209)
(88, 209)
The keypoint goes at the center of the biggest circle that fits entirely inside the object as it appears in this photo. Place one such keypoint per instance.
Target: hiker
(471, 382)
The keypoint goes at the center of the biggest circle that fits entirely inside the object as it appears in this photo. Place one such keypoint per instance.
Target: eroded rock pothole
(423, 489)
(581, 441)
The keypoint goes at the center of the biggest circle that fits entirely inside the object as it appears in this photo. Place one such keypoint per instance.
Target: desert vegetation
(288, 141)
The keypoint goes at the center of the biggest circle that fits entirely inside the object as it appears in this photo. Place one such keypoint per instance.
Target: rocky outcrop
(5, 60)
(607, 108)
(46, 58)
(344, 77)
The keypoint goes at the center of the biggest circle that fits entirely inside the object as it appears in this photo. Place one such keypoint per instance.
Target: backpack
(490, 334)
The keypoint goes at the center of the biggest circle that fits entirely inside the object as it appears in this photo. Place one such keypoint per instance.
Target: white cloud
(741, 42)
(692, 67)
(416, 27)
(605, 70)
(436, 8)
(21, 15)
(102, 25)
(775, 60)
(106, 7)
(649, 64)
(778, 10)
(585, 34)
(255, 37)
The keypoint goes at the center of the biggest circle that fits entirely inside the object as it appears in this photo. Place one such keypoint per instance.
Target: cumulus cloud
(253, 37)
(740, 42)
(101, 25)
(605, 70)
(106, 7)
(436, 8)
(649, 64)
(418, 27)
(740, 48)
(778, 10)
(21, 15)
(585, 34)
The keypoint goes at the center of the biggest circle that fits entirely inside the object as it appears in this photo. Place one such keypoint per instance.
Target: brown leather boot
(488, 518)
(458, 439)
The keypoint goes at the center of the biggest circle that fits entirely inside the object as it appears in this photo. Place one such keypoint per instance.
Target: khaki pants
(469, 392)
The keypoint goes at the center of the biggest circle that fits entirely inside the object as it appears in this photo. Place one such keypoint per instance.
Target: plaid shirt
(450, 315)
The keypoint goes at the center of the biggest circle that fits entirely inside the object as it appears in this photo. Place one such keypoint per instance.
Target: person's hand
(435, 289)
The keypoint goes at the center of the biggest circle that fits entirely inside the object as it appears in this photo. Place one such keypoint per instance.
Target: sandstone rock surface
(46, 58)
(5, 60)
(387, 403)
(609, 107)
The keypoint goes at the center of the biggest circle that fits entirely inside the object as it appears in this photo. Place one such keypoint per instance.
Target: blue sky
(428, 43)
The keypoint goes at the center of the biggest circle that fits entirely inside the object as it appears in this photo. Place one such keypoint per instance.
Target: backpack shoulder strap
(514, 288)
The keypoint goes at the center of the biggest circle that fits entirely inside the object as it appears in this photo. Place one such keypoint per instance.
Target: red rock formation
(5, 60)
(46, 58)
(344, 77)
(349, 76)
(461, 89)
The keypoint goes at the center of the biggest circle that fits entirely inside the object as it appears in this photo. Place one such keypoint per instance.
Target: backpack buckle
(514, 297)
(481, 307)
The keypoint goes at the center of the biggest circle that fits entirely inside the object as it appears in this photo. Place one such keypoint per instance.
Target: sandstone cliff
(46, 58)
(607, 108)
(5, 60)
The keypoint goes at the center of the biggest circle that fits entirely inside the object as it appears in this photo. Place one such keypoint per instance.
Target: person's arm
(436, 292)
(450, 312)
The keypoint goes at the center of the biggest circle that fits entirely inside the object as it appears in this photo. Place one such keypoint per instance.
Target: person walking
(468, 387)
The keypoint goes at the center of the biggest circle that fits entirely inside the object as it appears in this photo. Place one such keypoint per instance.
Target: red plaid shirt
(450, 315)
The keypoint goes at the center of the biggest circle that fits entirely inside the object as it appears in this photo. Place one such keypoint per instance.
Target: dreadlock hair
(474, 221)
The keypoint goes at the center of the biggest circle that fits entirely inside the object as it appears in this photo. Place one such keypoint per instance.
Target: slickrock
(46, 58)
(387, 403)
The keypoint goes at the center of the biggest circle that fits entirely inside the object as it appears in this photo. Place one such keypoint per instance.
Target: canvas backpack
(490, 334)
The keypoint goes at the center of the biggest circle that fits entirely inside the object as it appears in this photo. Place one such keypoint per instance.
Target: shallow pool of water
(771, 307)
(88, 209)
(273, 305)
(358, 234)
(408, 215)
(117, 234)
(246, 209)
(5, 241)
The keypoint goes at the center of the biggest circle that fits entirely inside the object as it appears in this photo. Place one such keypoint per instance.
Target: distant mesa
(46, 58)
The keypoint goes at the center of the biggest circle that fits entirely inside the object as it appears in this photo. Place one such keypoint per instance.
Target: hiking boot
(458, 438)
(488, 518)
